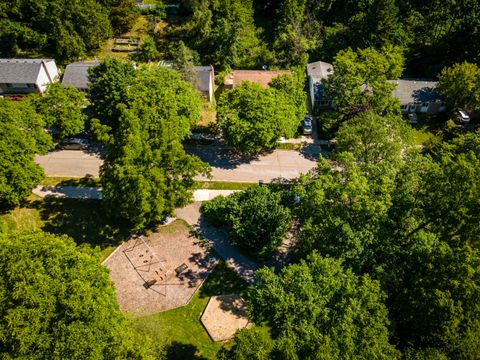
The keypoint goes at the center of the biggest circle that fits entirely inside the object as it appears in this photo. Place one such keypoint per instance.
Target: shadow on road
(311, 151)
(219, 156)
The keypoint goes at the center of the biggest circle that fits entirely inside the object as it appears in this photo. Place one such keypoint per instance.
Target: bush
(257, 219)
(219, 211)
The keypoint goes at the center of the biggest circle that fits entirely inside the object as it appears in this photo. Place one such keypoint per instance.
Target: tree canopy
(318, 307)
(257, 219)
(460, 86)
(360, 80)
(58, 302)
(146, 173)
(21, 137)
(253, 119)
(62, 109)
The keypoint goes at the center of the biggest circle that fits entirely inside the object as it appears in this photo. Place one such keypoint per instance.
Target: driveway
(226, 166)
(70, 163)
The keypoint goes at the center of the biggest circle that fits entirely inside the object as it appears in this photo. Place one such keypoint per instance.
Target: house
(262, 77)
(418, 96)
(317, 72)
(76, 74)
(205, 83)
(24, 76)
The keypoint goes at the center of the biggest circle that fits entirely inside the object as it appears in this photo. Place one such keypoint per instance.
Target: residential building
(317, 72)
(262, 77)
(76, 74)
(24, 76)
(418, 96)
(205, 83)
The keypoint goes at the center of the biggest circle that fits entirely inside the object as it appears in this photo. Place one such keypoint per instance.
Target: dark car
(73, 144)
(307, 126)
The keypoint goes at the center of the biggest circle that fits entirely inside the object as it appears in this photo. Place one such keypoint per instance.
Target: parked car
(463, 116)
(73, 144)
(307, 126)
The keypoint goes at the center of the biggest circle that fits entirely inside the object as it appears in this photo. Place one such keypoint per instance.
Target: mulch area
(223, 316)
(159, 272)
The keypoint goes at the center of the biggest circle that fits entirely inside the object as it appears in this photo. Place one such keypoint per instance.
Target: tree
(460, 86)
(62, 109)
(185, 63)
(146, 173)
(248, 344)
(253, 119)
(224, 32)
(257, 219)
(21, 136)
(58, 302)
(123, 14)
(374, 139)
(147, 51)
(65, 30)
(437, 306)
(318, 307)
(360, 79)
(292, 87)
(108, 83)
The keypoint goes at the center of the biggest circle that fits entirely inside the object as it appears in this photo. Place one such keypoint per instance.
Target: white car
(463, 116)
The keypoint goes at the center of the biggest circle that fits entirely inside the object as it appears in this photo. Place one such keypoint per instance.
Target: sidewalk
(90, 193)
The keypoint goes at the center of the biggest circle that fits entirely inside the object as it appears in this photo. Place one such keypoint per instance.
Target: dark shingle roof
(203, 75)
(23, 71)
(415, 90)
(76, 74)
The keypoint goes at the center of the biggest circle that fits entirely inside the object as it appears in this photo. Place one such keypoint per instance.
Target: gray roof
(20, 71)
(76, 74)
(203, 75)
(319, 70)
(415, 90)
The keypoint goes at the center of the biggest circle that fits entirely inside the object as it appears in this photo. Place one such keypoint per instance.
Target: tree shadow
(223, 280)
(85, 221)
(426, 94)
(218, 155)
(179, 351)
(311, 151)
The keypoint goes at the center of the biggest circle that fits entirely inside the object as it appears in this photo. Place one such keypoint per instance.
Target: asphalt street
(226, 166)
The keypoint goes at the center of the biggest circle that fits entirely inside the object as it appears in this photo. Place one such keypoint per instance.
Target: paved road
(70, 163)
(226, 166)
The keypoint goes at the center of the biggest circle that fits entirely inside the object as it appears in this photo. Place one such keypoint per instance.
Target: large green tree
(146, 173)
(460, 86)
(58, 303)
(108, 83)
(62, 108)
(21, 137)
(253, 119)
(360, 79)
(257, 219)
(319, 307)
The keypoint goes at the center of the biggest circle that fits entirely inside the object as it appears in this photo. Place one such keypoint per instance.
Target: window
(20, 86)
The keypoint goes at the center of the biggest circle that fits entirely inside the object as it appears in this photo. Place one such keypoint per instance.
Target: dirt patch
(159, 272)
(223, 316)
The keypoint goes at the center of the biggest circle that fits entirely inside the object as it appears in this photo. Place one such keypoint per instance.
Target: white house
(24, 76)
(205, 83)
(317, 72)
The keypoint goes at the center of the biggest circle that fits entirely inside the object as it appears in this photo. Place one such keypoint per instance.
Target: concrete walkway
(91, 193)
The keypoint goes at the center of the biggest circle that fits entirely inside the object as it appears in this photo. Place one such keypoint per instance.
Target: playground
(160, 271)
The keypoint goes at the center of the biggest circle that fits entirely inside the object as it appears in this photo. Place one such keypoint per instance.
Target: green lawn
(180, 330)
(83, 220)
(423, 136)
(221, 185)
(64, 181)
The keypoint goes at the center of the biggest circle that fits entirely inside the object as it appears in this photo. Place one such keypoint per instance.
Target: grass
(140, 29)
(289, 146)
(221, 185)
(180, 330)
(65, 181)
(84, 221)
